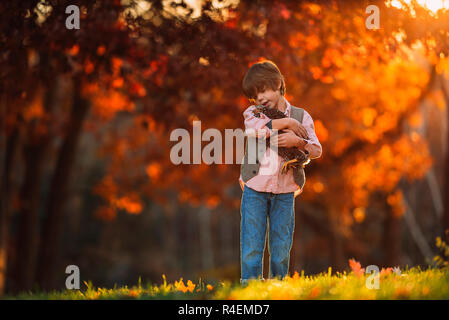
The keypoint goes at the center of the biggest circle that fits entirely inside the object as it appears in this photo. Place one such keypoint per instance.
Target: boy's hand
(288, 140)
(297, 128)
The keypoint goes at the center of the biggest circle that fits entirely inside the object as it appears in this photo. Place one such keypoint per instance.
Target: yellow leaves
(402, 292)
(318, 187)
(437, 98)
(393, 284)
(339, 93)
(415, 137)
(313, 8)
(340, 145)
(296, 276)
(442, 65)
(385, 272)
(370, 135)
(314, 293)
(316, 72)
(430, 43)
(327, 79)
(326, 61)
(332, 57)
(368, 116)
(359, 214)
(438, 242)
(203, 61)
(385, 152)
(299, 40)
(386, 121)
(312, 42)
(415, 120)
(395, 201)
(381, 170)
(180, 286)
(294, 40)
(358, 22)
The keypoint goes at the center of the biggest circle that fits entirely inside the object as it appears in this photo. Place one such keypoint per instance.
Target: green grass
(414, 283)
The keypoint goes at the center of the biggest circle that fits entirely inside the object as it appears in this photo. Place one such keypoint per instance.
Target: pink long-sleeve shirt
(278, 182)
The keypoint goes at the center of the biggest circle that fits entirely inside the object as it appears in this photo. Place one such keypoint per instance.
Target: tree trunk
(336, 242)
(27, 238)
(169, 225)
(225, 238)
(392, 238)
(445, 217)
(207, 256)
(415, 231)
(48, 268)
(5, 194)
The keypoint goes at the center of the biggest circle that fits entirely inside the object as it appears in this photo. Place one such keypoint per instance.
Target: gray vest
(249, 170)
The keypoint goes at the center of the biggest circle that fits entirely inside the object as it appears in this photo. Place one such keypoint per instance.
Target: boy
(271, 195)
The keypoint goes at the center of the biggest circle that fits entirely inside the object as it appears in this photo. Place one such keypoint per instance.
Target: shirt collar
(287, 110)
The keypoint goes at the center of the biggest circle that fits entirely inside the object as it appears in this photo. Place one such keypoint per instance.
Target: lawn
(414, 283)
(431, 282)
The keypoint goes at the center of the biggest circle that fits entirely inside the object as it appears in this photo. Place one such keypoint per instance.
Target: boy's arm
(313, 146)
(290, 123)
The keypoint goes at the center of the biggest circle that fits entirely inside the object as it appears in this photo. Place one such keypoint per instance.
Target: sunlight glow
(431, 5)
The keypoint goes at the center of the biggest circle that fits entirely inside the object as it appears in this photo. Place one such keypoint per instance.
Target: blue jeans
(256, 208)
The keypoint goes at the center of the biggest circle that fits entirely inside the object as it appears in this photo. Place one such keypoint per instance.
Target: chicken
(293, 157)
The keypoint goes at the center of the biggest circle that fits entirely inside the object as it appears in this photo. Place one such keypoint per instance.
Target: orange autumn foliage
(179, 285)
(356, 267)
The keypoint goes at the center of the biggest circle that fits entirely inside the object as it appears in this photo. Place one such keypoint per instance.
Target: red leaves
(233, 21)
(359, 271)
(138, 89)
(356, 267)
(283, 11)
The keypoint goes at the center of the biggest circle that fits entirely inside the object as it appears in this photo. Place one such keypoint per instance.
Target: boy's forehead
(262, 88)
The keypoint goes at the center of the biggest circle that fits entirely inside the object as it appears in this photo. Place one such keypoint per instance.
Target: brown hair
(261, 75)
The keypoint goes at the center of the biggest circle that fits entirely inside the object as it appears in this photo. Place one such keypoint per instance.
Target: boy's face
(268, 97)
